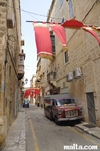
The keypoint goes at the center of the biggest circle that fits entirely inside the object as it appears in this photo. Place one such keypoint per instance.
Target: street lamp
(26, 80)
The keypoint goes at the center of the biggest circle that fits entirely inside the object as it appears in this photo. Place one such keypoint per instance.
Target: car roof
(58, 96)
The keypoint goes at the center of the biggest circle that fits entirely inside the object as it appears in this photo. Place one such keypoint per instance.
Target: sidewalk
(16, 137)
(90, 129)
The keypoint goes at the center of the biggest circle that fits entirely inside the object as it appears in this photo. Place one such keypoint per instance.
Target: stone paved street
(17, 140)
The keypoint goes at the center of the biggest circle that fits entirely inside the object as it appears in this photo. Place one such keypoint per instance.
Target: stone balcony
(20, 72)
(51, 78)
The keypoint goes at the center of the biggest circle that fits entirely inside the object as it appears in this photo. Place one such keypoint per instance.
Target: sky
(31, 10)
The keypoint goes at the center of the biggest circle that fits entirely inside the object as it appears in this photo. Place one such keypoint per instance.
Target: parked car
(26, 103)
(62, 107)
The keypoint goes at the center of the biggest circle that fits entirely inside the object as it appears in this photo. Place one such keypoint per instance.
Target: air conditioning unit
(69, 76)
(77, 73)
(10, 19)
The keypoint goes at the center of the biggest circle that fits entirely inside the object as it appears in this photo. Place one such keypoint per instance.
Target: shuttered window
(53, 43)
(71, 9)
(61, 1)
(65, 57)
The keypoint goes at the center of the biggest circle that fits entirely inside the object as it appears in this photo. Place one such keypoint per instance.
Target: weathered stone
(1, 121)
(1, 34)
(2, 28)
(2, 138)
(8, 44)
(3, 3)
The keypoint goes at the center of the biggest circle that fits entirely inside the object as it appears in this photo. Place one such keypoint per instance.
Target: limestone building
(32, 85)
(76, 71)
(11, 64)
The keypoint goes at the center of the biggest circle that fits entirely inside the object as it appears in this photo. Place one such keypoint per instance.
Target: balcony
(10, 19)
(22, 43)
(38, 80)
(21, 65)
(51, 78)
(20, 72)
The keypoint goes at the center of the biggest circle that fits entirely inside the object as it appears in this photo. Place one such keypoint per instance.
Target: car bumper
(25, 105)
(70, 119)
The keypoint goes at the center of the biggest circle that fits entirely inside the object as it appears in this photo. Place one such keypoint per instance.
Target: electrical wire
(28, 12)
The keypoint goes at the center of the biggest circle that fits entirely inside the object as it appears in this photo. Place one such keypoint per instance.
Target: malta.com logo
(80, 147)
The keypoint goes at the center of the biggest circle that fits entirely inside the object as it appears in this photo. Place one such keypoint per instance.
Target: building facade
(11, 64)
(76, 71)
(32, 85)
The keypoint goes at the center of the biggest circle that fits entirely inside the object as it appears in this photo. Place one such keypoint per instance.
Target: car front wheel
(56, 121)
(51, 116)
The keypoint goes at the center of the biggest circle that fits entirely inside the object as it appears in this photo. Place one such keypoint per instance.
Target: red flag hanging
(37, 92)
(72, 24)
(60, 32)
(32, 92)
(90, 30)
(26, 93)
(32, 95)
(43, 41)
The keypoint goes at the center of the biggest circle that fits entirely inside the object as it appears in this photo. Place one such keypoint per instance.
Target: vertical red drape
(37, 92)
(60, 32)
(92, 32)
(32, 94)
(43, 41)
(26, 93)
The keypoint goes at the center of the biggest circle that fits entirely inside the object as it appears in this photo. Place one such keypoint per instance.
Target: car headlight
(59, 111)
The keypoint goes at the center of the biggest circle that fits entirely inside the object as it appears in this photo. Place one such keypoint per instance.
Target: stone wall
(9, 53)
(3, 121)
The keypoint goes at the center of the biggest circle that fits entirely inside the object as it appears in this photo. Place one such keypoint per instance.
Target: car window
(53, 103)
(56, 103)
(65, 102)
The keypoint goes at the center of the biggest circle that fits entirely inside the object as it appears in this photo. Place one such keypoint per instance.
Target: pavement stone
(95, 131)
(16, 137)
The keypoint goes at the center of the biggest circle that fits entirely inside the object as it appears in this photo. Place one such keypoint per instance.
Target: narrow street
(44, 135)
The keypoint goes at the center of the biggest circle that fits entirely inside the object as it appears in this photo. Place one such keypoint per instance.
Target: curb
(88, 132)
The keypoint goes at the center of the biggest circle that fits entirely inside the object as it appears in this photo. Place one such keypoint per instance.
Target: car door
(54, 108)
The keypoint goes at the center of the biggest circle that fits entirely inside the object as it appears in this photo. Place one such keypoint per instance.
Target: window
(61, 1)
(53, 42)
(21, 60)
(71, 9)
(62, 20)
(56, 103)
(53, 103)
(65, 57)
(62, 102)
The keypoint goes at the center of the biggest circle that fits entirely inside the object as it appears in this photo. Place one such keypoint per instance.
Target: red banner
(92, 32)
(73, 24)
(43, 41)
(32, 92)
(60, 32)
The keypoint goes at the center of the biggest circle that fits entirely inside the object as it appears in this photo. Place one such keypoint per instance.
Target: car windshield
(65, 102)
